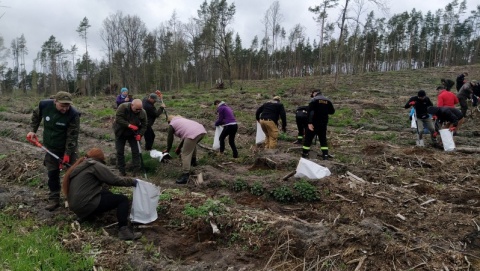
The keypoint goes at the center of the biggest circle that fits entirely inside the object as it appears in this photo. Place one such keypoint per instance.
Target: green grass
(27, 246)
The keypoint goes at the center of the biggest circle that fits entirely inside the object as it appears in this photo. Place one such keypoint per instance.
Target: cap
(276, 98)
(422, 93)
(154, 97)
(63, 97)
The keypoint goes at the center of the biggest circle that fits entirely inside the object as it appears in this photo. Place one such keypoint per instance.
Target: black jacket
(319, 108)
(273, 111)
(420, 106)
(152, 112)
(446, 114)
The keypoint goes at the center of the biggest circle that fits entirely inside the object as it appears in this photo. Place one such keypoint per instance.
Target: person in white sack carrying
(226, 118)
(421, 102)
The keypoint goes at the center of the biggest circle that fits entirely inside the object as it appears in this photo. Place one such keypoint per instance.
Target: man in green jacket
(61, 126)
(130, 125)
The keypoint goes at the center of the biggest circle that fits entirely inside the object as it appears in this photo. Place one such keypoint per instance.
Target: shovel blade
(420, 143)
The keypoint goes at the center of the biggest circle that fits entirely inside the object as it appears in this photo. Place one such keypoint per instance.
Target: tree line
(205, 49)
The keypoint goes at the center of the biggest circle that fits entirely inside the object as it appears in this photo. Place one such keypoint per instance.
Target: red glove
(435, 134)
(178, 151)
(412, 103)
(452, 128)
(32, 136)
(66, 160)
(434, 117)
(133, 127)
(138, 137)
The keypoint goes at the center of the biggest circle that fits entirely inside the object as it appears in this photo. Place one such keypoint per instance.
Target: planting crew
(446, 98)
(152, 114)
(61, 126)
(318, 110)
(267, 115)
(123, 97)
(465, 93)
(82, 185)
(448, 117)
(421, 102)
(447, 84)
(226, 118)
(190, 132)
(130, 125)
(461, 80)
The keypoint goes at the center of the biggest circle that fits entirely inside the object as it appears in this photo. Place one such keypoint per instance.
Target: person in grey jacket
(82, 185)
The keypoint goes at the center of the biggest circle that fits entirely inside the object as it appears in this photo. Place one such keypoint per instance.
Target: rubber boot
(193, 163)
(125, 233)
(183, 179)
(325, 154)
(53, 204)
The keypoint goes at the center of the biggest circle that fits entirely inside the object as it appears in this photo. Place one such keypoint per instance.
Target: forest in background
(205, 49)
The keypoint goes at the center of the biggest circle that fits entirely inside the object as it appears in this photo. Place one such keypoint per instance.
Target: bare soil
(389, 206)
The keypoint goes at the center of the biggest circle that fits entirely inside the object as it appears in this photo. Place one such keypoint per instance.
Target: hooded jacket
(420, 106)
(446, 98)
(86, 182)
(272, 110)
(225, 115)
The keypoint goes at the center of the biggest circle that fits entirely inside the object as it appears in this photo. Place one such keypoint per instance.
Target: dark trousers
(149, 138)
(110, 201)
(320, 129)
(463, 105)
(302, 126)
(120, 148)
(53, 172)
(230, 131)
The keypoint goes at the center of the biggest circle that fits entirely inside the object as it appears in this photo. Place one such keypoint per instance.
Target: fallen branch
(380, 197)
(467, 150)
(359, 261)
(344, 198)
(286, 177)
(401, 217)
(427, 202)
(355, 178)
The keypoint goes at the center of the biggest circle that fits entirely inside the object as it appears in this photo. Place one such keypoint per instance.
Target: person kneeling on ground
(450, 118)
(82, 185)
(191, 132)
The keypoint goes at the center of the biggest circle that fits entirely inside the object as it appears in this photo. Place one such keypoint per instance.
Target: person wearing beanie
(267, 115)
(83, 186)
(461, 80)
(447, 117)
(61, 127)
(123, 97)
(319, 108)
(152, 114)
(446, 98)
(420, 103)
(226, 118)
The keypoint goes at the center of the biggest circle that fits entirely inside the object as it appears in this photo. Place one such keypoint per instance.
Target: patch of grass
(3, 109)
(239, 185)
(27, 246)
(210, 205)
(385, 137)
(257, 189)
(2, 156)
(343, 117)
(282, 194)
(103, 112)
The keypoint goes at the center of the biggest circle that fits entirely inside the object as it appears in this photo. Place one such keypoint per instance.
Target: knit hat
(97, 154)
(124, 90)
(154, 97)
(63, 97)
(422, 93)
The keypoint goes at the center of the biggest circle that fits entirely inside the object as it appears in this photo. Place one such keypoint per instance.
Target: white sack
(414, 121)
(216, 138)
(158, 154)
(144, 202)
(447, 140)
(311, 170)
(260, 137)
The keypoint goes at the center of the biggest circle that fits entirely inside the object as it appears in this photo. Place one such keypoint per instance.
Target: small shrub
(306, 191)
(239, 185)
(210, 205)
(282, 194)
(257, 189)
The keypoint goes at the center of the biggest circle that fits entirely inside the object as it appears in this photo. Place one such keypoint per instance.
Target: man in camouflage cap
(61, 126)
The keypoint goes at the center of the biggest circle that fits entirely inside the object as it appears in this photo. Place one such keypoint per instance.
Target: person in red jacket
(446, 98)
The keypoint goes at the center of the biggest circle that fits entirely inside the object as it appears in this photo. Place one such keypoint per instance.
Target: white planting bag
(311, 170)
(414, 121)
(447, 140)
(158, 154)
(216, 138)
(260, 137)
(144, 202)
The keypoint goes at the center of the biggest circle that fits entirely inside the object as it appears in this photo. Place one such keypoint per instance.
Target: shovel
(141, 160)
(38, 144)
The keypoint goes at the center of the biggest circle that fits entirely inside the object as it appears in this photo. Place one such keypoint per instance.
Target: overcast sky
(39, 19)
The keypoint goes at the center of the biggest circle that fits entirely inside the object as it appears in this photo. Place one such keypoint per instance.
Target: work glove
(65, 160)
(133, 127)
(178, 151)
(159, 94)
(31, 136)
(412, 103)
(434, 117)
(435, 134)
(138, 137)
(452, 128)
